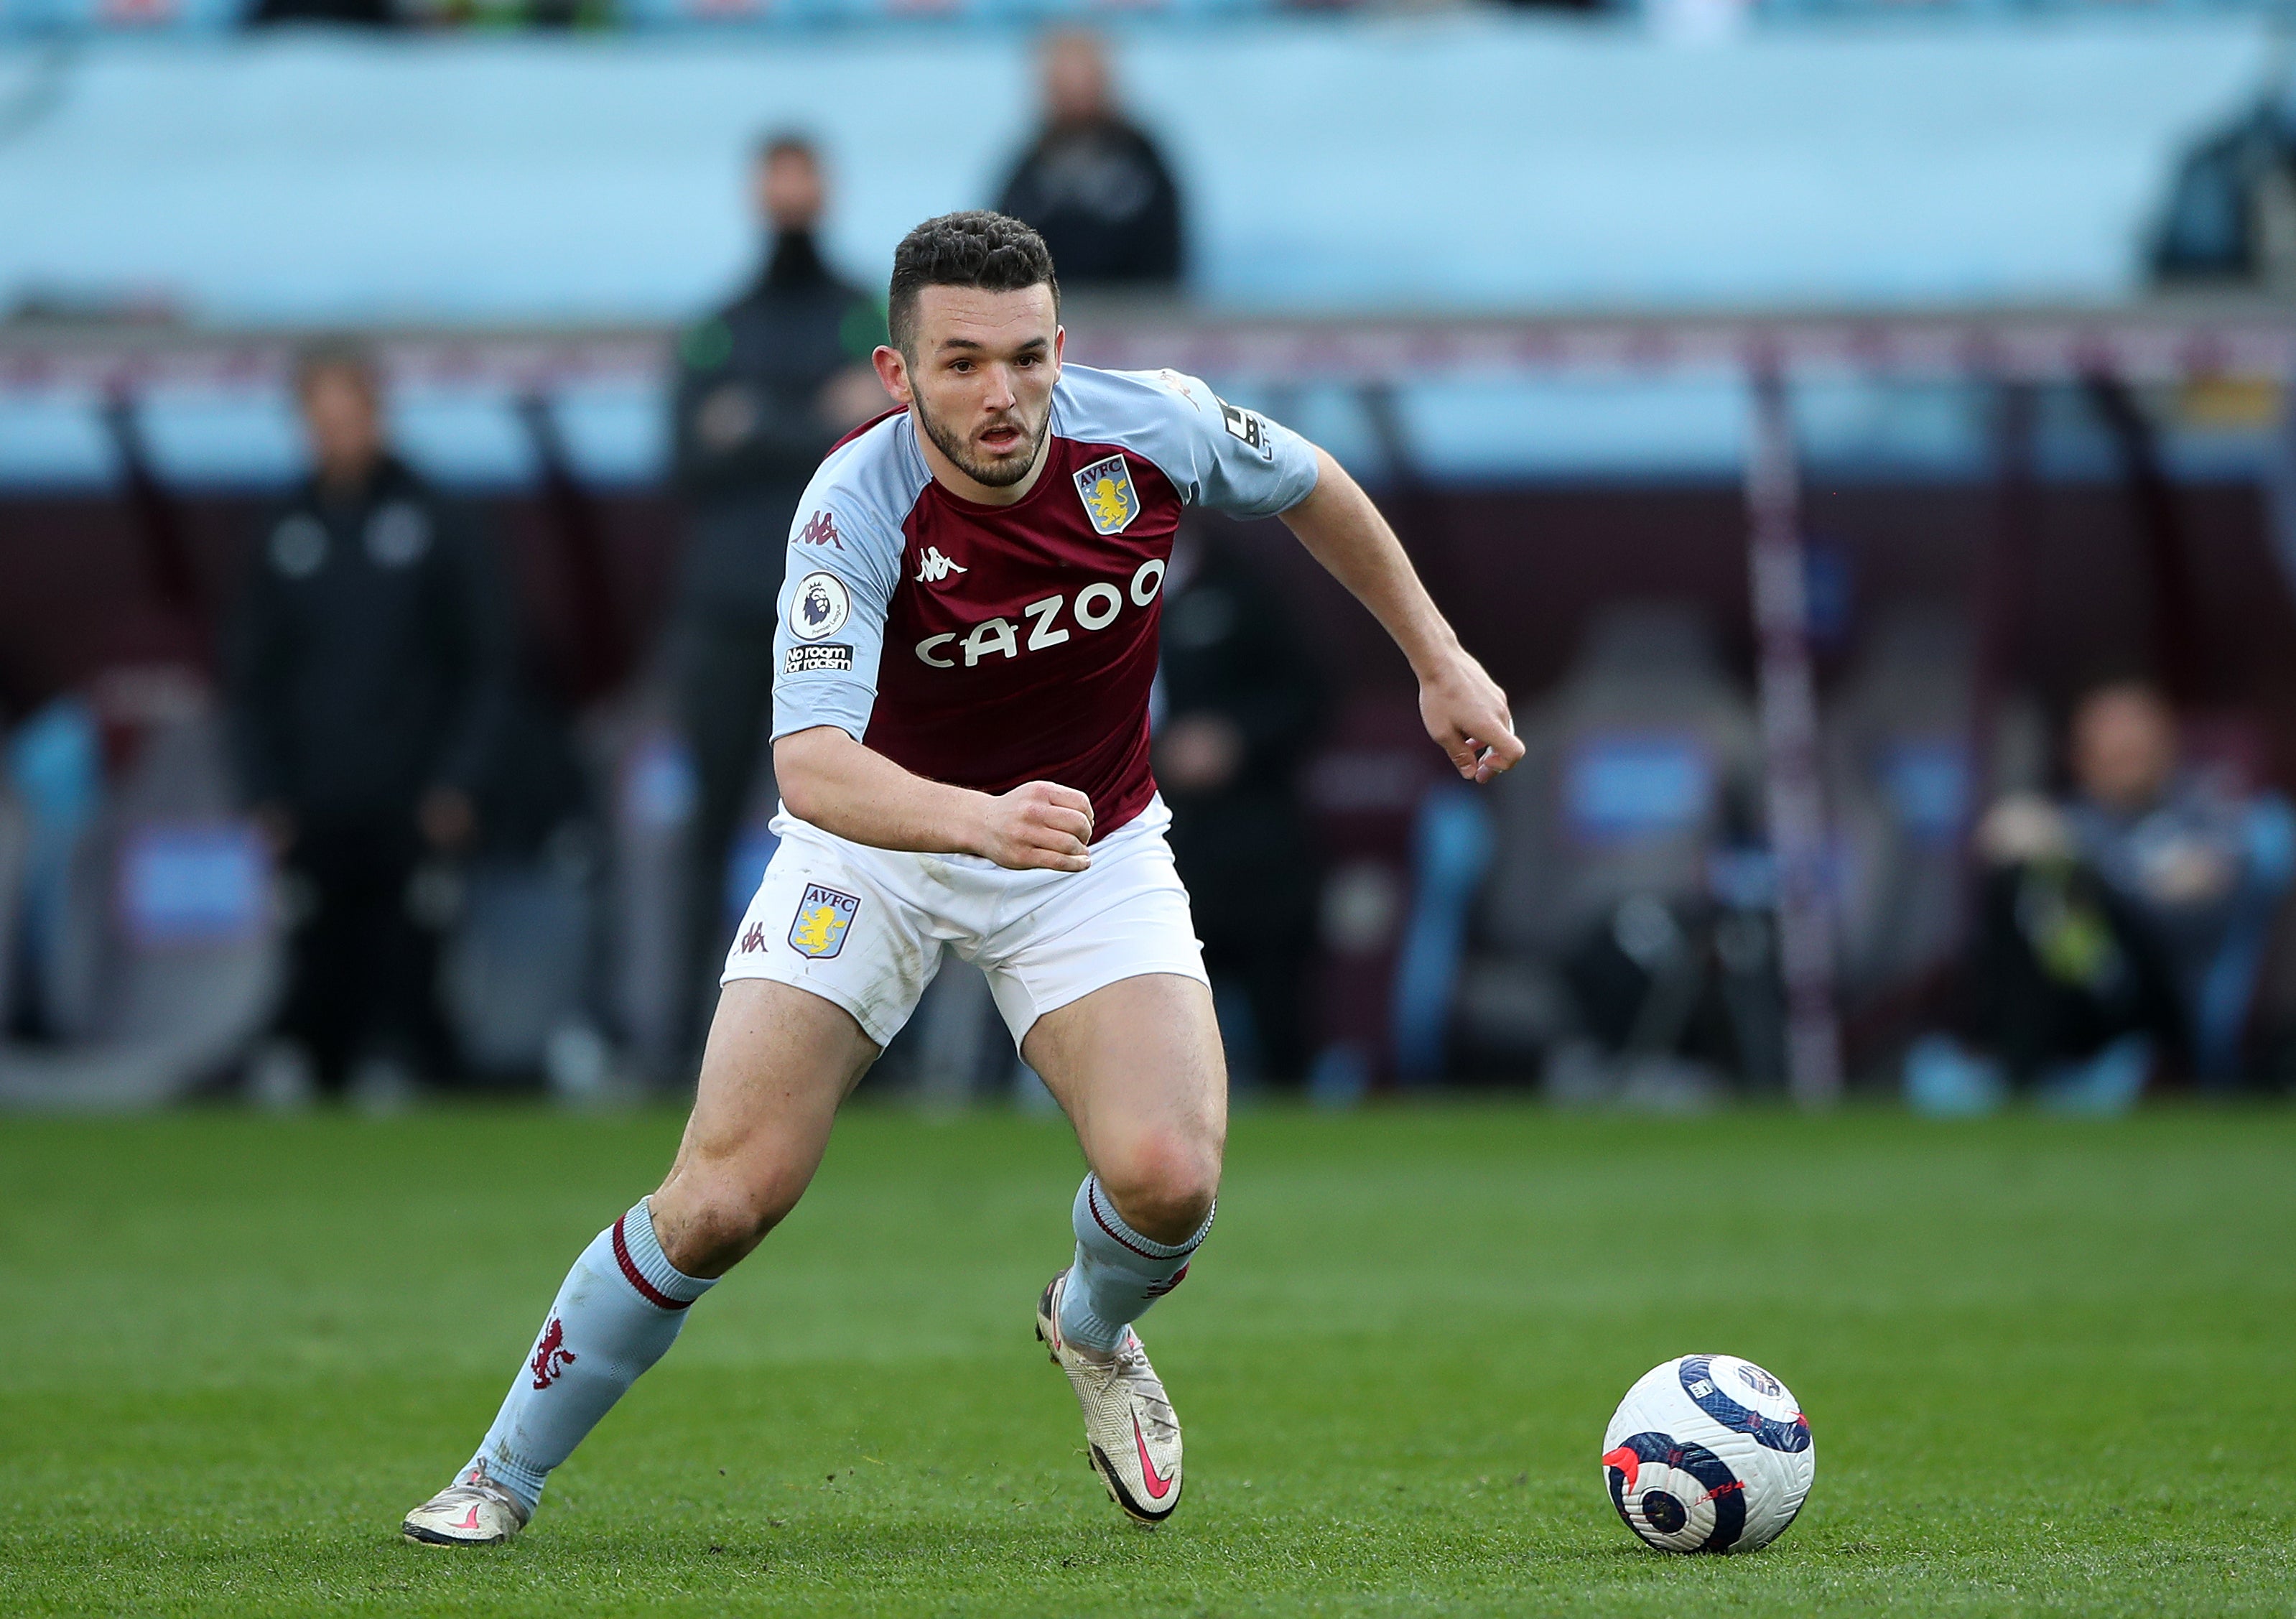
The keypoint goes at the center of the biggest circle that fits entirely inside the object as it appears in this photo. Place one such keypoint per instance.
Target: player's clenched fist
(1040, 825)
(1466, 713)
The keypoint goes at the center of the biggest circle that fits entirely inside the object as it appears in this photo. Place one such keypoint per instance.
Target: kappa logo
(820, 530)
(754, 940)
(932, 567)
(551, 1356)
(1179, 382)
(824, 916)
(1110, 500)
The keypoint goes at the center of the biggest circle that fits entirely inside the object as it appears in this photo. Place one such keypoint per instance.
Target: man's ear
(893, 371)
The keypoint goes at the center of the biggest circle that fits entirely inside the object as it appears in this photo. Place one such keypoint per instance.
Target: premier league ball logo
(1708, 1454)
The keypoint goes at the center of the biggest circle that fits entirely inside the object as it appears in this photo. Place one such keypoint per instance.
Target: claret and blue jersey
(987, 647)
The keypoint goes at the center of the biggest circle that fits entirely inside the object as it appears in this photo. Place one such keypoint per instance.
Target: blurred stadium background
(1800, 405)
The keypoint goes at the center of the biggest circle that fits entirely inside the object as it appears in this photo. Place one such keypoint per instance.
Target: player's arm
(848, 788)
(1463, 708)
(844, 565)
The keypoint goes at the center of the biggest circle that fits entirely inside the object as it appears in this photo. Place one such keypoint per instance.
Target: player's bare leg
(1138, 1068)
(778, 1063)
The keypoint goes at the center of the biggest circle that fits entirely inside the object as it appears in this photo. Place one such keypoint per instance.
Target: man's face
(345, 427)
(980, 382)
(788, 191)
(1076, 79)
(2124, 746)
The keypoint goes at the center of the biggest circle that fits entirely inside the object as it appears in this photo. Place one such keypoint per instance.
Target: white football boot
(1128, 1422)
(472, 1511)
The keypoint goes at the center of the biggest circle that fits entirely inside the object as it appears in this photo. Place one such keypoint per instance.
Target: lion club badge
(1109, 500)
(823, 917)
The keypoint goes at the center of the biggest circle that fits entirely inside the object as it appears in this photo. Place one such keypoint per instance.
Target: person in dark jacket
(1238, 707)
(764, 388)
(369, 668)
(1092, 184)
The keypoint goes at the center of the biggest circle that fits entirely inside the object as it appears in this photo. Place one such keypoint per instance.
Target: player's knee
(706, 1229)
(1163, 1184)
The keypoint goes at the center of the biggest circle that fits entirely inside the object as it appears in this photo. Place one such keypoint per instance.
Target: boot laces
(1131, 1367)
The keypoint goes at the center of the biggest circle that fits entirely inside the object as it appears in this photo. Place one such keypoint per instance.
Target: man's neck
(346, 484)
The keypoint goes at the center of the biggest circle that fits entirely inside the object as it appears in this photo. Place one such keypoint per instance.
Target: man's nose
(1001, 396)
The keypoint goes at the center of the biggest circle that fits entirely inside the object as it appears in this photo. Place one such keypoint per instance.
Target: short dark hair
(991, 251)
(338, 355)
(787, 144)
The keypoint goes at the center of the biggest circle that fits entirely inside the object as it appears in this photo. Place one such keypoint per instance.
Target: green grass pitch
(2048, 1363)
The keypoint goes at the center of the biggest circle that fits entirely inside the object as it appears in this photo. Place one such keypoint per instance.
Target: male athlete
(967, 640)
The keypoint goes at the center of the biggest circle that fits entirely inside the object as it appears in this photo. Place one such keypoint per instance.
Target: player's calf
(1119, 1270)
(617, 1313)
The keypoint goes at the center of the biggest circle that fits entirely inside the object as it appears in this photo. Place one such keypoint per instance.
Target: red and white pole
(1789, 710)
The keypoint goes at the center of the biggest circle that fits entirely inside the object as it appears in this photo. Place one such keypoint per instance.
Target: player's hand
(1466, 713)
(1037, 826)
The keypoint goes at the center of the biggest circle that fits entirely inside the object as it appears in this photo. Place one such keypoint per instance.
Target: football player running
(967, 641)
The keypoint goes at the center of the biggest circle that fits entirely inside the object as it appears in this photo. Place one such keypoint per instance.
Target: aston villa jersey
(987, 647)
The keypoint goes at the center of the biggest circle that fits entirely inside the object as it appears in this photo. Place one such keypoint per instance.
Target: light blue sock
(616, 1314)
(1117, 1273)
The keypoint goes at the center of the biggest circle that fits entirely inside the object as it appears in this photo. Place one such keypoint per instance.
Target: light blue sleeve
(844, 563)
(1216, 454)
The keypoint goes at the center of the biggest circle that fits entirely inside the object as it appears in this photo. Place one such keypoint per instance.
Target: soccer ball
(1708, 1454)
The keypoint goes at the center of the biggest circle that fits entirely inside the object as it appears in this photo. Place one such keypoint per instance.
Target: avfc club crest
(824, 916)
(1110, 500)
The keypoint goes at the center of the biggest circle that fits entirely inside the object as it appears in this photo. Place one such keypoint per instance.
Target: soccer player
(967, 640)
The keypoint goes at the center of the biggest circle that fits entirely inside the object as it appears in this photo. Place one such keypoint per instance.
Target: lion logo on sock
(823, 917)
(551, 1356)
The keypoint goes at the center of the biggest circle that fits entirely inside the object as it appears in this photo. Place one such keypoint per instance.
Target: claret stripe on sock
(1130, 1239)
(647, 1291)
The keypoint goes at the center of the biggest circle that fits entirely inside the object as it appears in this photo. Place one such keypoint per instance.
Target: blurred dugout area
(1607, 923)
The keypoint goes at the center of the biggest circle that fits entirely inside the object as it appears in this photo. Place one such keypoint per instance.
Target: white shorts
(864, 927)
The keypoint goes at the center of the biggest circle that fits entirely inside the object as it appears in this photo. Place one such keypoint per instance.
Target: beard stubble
(994, 477)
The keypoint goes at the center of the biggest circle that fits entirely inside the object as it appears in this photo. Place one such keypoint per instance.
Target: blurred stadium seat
(1902, 778)
(1641, 773)
(168, 945)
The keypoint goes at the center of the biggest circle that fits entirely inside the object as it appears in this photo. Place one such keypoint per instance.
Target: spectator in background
(2120, 925)
(764, 388)
(1092, 184)
(369, 668)
(1237, 708)
(364, 13)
